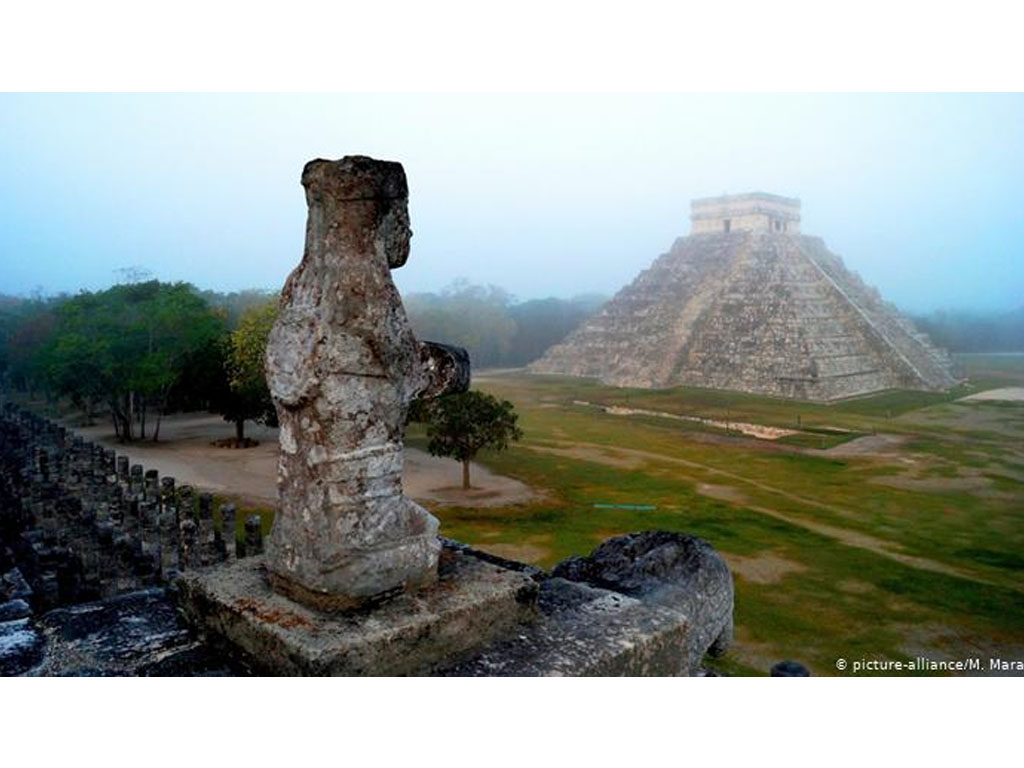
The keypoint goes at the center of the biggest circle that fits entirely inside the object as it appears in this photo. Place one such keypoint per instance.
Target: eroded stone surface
(343, 366)
(675, 570)
(651, 603)
(755, 311)
(587, 632)
(473, 603)
(135, 634)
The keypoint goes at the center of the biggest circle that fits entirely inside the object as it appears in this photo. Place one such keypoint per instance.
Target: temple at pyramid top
(750, 212)
(748, 303)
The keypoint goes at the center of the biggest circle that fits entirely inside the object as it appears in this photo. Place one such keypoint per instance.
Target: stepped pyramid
(748, 303)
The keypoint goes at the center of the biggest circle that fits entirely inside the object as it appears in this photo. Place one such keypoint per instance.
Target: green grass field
(891, 527)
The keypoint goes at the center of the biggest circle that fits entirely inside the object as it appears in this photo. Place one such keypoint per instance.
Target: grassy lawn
(911, 549)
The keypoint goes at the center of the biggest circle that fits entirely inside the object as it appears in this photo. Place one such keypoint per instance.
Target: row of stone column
(90, 524)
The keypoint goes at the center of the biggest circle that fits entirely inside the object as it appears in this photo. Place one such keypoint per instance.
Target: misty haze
(749, 369)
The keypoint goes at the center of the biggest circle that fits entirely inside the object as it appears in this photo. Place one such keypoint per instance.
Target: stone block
(473, 604)
(588, 632)
(651, 603)
(138, 634)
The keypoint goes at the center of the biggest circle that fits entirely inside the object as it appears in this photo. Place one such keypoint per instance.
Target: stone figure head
(381, 188)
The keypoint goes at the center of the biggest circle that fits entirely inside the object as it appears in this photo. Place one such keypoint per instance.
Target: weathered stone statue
(342, 366)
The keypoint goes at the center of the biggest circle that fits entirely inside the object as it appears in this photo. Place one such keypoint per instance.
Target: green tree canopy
(128, 345)
(248, 394)
(459, 426)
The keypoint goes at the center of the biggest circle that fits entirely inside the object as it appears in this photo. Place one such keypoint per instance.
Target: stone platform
(138, 634)
(588, 632)
(650, 603)
(474, 603)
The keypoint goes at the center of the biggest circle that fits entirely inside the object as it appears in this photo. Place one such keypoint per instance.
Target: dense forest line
(975, 331)
(497, 330)
(139, 350)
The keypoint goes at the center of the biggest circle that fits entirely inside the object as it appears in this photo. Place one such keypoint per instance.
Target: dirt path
(1006, 394)
(869, 445)
(842, 535)
(184, 452)
(760, 431)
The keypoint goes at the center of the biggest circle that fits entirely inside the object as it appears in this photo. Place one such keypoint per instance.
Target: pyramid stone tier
(752, 311)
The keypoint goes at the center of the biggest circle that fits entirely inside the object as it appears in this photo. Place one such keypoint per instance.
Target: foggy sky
(541, 195)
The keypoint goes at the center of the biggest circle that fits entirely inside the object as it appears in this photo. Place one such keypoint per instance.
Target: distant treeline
(960, 331)
(141, 349)
(497, 330)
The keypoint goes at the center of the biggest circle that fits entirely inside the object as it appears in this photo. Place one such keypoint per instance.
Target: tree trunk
(239, 431)
(465, 475)
(161, 403)
(142, 418)
(127, 417)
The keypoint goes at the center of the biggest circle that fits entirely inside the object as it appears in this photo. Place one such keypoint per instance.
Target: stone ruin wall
(79, 523)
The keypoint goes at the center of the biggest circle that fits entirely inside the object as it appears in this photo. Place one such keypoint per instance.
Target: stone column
(227, 537)
(152, 485)
(109, 463)
(187, 533)
(170, 563)
(253, 536)
(149, 518)
(131, 523)
(187, 549)
(206, 547)
(136, 479)
(342, 366)
(186, 502)
(166, 492)
(107, 557)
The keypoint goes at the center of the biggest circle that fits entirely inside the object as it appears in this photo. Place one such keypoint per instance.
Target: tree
(23, 362)
(178, 325)
(459, 426)
(249, 396)
(129, 345)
